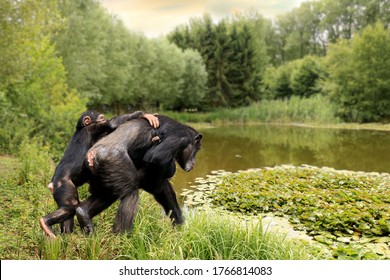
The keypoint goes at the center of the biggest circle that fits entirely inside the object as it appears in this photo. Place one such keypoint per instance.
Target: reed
(316, 109)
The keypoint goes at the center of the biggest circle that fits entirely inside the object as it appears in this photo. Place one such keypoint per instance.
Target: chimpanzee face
(100, 118)
(88, 118)
(186, 156)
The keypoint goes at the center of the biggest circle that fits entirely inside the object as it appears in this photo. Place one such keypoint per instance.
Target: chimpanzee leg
(115, 177)
(167, 198)
(66, 196)
(126, 212)
(47, 221)
(67, 226)
(91, 207)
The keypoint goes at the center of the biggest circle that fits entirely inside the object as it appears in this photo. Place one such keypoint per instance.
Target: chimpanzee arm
(97, 130)
(117, 121)
(165, 152)
(151, 118)
(167, 198)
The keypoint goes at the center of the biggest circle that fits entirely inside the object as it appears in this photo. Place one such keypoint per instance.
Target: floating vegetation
(349, 212)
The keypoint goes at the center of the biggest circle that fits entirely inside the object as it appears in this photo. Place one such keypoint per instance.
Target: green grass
(9, 166)
(205, 235)
(316, 109)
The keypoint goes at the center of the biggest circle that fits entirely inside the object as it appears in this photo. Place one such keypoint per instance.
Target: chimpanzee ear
(87, 120)
(198, 137)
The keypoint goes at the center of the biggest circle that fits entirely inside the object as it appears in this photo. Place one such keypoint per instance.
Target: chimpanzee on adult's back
(71, 172)
(125, 161)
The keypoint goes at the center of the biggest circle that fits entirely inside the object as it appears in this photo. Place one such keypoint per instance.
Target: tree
(223, 53)
(205, 41)
(277, 82)
(302, 31)
(33, 91)
(234, 53)
(248, 59)
(168, 67)
(117, 69)
(83, 44)
(305, 77)
(193, 86)
(359, 75)
(310, 28)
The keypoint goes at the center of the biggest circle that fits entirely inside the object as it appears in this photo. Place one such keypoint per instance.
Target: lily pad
(336, 207)
(344, 239)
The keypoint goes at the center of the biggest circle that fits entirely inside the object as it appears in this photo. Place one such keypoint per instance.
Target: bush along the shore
(349, 212)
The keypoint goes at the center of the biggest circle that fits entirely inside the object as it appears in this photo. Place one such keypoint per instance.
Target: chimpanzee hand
(152, 119)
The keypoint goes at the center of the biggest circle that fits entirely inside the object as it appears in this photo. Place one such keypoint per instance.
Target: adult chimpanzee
(71, 172)
(125, 161)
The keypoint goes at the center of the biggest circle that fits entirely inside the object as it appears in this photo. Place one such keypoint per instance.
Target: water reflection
(235, 148)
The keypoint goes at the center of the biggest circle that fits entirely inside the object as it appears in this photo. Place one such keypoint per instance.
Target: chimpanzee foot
(84, 220)
(51, 187)
(91, 157)
(46, 228)
(177, 221)
(67, 226)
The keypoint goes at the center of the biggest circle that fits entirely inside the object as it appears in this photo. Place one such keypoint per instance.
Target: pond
(234, 148)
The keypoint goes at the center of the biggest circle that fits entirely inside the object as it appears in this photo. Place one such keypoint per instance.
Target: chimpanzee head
(88, 118)
(186, 156)
(178, 143)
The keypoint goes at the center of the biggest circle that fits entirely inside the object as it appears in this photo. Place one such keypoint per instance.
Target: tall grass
(206, 235)
(316, 109)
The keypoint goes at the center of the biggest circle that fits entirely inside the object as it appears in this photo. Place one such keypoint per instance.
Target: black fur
(71, 172)
(127, 160)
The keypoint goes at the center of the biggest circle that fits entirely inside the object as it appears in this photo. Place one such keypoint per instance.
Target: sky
(156, 18)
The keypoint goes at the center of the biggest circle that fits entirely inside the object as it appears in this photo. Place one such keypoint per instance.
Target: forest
(58, 58)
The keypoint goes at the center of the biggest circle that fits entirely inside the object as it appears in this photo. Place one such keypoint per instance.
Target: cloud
(174, 7)
(268, 9)
(158, 17)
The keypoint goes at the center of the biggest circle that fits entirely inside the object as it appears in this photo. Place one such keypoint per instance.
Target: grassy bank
(206, 235)
(317, 109)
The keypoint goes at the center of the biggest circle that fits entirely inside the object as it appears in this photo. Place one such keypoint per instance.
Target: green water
(233, 148)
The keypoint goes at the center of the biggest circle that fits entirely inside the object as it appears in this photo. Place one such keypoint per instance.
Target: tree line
(114, 67)
(339, 49)
(58, 58)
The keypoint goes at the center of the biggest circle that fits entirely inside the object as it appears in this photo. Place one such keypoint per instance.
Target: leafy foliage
(119, 70)
(301, 78)
(359, 73)
(233, 52)
(36, 164)
(312, 27)
(34, 97)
